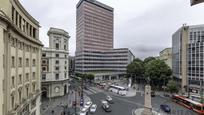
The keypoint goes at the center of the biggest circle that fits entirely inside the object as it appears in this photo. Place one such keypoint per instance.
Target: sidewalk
(56, 104)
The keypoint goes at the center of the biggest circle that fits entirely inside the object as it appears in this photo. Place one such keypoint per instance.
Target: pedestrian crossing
(92, 90)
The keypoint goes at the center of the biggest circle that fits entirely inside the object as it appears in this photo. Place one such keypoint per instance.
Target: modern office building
(94, 42)
(194, 2)
(20, 58)
(71, 65)
(55, 67)
(166, 56)
(188, 57)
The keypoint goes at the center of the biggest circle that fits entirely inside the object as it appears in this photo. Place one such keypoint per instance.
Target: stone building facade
(166, 56)
(55, 64)
(20, 58)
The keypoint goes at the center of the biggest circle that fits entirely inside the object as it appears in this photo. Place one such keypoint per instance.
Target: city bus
(188, 103)
(117, 89)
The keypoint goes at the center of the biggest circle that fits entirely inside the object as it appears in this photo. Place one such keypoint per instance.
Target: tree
(90, 77)
(158, 72)
(172, 87)
(135, 69)
(148, 59)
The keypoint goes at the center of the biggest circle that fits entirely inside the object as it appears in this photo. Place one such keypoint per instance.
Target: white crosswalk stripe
(92, 90)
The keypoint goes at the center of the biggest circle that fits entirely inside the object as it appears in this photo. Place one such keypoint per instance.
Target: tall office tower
(94, 42)
(188, 57)
(94, 31)
(20, 58)
(55, 67)
(94, 26)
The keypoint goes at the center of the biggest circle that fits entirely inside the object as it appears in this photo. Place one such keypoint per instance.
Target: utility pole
(82, 96)
(75, 101)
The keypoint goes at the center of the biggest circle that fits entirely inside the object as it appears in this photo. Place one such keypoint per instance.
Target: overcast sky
(145, 27)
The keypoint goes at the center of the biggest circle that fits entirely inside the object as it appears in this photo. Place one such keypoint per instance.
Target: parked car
(93, 108)
(84, 111)
(106, 107)
(109, 99)
(165, 108)
(88, 104)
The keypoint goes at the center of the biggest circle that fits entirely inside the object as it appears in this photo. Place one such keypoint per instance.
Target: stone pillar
(147, 101)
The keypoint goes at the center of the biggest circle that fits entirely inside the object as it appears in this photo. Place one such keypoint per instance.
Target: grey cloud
(146, 31)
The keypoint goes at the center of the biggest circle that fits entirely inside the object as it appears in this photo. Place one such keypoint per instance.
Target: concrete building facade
(188, 57)
(20, 58)
(166, 56)
(55, 64)
(94, 41)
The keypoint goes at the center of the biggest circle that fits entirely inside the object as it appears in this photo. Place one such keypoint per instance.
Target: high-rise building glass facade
(94, 40)
(194, 56)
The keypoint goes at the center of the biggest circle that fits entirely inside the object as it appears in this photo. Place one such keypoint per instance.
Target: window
(20, 79)
(34, 62)
(34, 33)
(43, 68)
(12, 61)
(27, 62)
(65, 62)
(57, 62)
(20, 62)
(44, 61)
(56, 55)
(33, 75)
(13, 81)
(57, 68)
(65, 56)
(57, 76)
(44, 55)
(27, 76)
(12, 101)
(19, 93)
(65, 47)
(65, 75)
(33, 87)
(27, 91)
(43, 76)
(65, 67)
(57, 46)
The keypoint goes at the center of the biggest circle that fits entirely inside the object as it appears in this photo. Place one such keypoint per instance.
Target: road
(121, 106)
(126, 105)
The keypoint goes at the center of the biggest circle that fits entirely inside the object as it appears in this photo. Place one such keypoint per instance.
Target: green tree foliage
(158, 72)
(148, 59)
(172, 87)
(135, 69)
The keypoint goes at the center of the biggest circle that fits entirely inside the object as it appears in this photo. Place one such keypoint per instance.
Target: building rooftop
(58, 31)
(97, 3)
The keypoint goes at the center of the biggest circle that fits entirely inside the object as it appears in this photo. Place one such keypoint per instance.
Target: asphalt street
(126, 105)
(121, 106)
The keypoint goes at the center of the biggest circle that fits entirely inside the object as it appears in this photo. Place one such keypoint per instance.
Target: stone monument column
(147, 101)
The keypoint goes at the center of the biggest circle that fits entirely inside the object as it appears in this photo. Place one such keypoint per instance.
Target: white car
(88, 104)
(84, 111)
(93, 108)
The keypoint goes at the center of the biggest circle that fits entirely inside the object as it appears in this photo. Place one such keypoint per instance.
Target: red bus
(188, 103)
